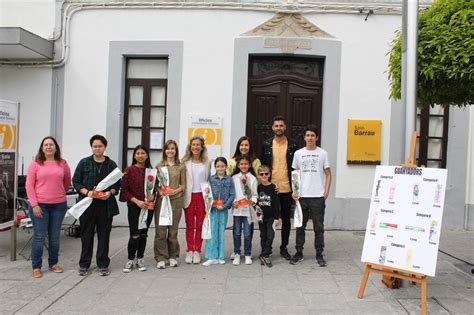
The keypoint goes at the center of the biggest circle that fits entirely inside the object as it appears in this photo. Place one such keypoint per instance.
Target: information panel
(8, 146)
(405, 216)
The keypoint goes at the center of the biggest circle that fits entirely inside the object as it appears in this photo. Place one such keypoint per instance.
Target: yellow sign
(212, 136)
(7, 137)
(364, 139)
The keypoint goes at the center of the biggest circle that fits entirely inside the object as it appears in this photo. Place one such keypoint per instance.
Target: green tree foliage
(445, 55)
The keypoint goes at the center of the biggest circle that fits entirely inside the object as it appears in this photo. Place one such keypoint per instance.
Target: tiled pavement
(227, 289)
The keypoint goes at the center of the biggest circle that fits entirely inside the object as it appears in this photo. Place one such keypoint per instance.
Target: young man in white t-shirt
(315, 181)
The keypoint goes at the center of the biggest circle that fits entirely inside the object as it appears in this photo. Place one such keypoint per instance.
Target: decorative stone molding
(288, 25)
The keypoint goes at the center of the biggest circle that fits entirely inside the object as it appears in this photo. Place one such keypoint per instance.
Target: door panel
(296, 96)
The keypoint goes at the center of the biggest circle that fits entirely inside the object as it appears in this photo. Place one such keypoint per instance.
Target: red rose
(244, 181)
(150, 178)
(259, 214)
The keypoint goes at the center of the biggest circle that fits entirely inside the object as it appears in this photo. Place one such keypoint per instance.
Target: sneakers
(141, 264)
(128, 266)
(236, 261)
(56, 268)
(221, 261)
(161, 265)
(173, 262)
(210, 262)
(296, 259)
(189, 258)
(196, 258)
(83, 271)
(104, 272)
(320, 260)
(248, 260)
(284, 253)
(37, 273)
(232, 256)
(265, 261)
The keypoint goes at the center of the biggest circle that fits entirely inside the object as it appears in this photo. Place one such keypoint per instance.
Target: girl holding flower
(133, 192)
(246, 197)
(223, 192)
(166, 236)
(197, 171)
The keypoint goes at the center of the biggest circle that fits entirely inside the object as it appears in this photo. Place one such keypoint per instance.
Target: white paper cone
(142, 219)
(166, 212)
(298, 217)
(206, 233)
(78, 209)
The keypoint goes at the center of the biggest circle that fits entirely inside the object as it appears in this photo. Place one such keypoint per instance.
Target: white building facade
(114, 61)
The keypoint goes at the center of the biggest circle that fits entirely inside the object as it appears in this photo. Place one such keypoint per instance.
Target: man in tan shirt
(277, 154)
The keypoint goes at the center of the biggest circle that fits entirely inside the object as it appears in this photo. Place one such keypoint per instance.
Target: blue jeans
(215, 246)
(53, 215)
(242, 224)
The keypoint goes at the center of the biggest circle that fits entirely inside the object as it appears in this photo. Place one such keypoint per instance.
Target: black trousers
(267, 234)
(313, 208)
(95, 219)
(285, 205)
(137, 242)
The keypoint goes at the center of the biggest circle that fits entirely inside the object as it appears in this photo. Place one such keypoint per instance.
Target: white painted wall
(32, 88)
(36, 16)
(364, 89)
(208, 59)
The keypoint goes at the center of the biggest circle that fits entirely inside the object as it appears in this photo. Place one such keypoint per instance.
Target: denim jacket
(223, 189)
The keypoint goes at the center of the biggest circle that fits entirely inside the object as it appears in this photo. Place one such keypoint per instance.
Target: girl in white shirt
(246, 196)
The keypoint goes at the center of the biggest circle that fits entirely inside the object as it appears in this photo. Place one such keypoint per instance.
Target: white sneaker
(196, 258)
(236, 261)
(248, 260)
(221, 261)
(161, 265)
(141, 264)
(173, 262)
(232, 256)
(210, 262)
(189, 258)
(128, 266)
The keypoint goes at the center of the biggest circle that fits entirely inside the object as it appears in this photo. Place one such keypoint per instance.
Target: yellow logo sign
(212, 136)
(7, 137)
(364, 139)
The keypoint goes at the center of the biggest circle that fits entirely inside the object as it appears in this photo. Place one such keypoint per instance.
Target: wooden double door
(287, 86)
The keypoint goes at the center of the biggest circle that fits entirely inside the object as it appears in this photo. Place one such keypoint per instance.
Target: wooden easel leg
(423, 296)
(364, 282)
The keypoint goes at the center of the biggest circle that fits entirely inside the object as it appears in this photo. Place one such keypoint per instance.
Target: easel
(395, 272)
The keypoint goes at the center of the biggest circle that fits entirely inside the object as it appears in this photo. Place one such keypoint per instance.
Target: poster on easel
(8, 153)
(405, 216)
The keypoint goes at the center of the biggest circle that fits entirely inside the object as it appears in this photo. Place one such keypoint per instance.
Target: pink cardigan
(47, 182)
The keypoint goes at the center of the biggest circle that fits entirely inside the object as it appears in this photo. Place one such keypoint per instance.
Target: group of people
(240, 185)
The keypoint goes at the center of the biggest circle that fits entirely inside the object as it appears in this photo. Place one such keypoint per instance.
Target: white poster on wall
(405, 216)
(209, 127)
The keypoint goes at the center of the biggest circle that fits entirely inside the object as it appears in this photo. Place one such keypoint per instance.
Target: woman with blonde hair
(198, 171)
(166, 236)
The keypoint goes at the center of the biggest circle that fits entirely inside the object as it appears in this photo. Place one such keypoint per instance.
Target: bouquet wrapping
(78, 209)
(150, 179)
(295, 186)
(206, 233)
(166, 211)
(247, 192)
(259, 214)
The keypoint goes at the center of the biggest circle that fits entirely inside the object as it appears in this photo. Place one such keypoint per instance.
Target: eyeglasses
(264, 174)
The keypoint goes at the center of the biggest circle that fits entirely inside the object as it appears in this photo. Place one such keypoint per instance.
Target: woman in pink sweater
(48, 178)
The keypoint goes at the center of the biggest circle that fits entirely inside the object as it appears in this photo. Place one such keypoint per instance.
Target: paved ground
(302, 289)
